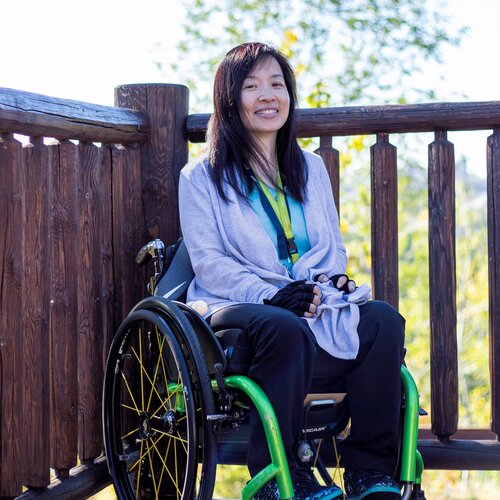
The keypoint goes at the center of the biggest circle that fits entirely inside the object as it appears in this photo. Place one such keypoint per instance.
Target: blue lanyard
(287, 248)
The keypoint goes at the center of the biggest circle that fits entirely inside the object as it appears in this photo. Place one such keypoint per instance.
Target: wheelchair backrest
(175, 281)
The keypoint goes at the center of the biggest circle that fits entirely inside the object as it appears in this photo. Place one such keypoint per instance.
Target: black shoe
(370, 484)
(304, 488)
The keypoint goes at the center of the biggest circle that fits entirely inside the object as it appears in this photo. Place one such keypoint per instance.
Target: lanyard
(279, 214)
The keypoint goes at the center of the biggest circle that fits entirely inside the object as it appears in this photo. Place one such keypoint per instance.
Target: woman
(262, 231)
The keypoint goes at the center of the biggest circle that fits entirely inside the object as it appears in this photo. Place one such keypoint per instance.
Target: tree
(343, 51)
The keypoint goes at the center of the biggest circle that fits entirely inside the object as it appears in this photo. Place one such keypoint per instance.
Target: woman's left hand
(339, 281)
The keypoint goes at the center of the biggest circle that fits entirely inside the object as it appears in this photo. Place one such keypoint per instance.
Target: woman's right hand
(300, 297)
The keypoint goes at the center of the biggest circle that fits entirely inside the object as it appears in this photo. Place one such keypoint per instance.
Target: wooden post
(493, 189)
(11, 315)
(330, 156)
(442, 287)
(163, 155)
(384, 207)
(145, 180)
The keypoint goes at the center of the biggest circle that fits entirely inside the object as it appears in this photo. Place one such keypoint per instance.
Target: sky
(83, 50)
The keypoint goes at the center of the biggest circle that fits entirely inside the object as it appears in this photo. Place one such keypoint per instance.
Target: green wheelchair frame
(165, 394)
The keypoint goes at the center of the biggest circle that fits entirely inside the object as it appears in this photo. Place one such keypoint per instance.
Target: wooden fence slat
(107, 290)
(129, 231)
(493, 190)
(384, 209)
(11, 315)
(90, 324)
(442, 287)
(63, 307)
(36, 310)
(330, 156)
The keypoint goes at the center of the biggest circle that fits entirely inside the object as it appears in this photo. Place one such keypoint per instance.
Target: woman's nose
(267, 94)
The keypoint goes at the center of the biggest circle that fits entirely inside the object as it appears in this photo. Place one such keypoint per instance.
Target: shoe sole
(338, 494)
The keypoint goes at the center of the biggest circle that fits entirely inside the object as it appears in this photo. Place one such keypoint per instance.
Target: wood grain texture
(92, 189)
(129, 230)
(11, 315)
(493, 190)
(39, 115)
(458, 454)
(384, 230)
(107, 287)
(442, 287)
(163, 155)
(355, 120)
(330, 156)
(36, 312)
(63, 306)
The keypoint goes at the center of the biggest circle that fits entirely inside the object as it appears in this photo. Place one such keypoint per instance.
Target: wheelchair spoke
(135, 408)
(138, 472)
(152, 469)
(141, 365)
(161, 343)
(165, 464)
(153, 388)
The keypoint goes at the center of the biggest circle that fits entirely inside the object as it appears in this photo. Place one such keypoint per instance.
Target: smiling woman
(262, 231)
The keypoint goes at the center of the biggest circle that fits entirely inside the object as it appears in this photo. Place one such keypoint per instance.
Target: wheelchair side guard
(278, 468)
(209, 343)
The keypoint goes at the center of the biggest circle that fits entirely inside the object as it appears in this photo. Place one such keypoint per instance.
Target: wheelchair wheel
(157, 395)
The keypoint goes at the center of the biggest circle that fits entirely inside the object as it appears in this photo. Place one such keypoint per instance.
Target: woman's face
(265, 102)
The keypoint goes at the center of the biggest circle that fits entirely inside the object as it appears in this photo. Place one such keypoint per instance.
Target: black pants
(288, 364)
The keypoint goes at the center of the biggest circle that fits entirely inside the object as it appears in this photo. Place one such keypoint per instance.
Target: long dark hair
(231, 147)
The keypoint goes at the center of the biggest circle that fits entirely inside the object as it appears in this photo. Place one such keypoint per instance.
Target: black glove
(296, 297)
(343, 283)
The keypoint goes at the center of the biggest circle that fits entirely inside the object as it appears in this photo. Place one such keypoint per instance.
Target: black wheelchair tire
(156, 397)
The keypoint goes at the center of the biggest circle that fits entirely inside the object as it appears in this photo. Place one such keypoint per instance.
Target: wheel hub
(144, 425)
(170, 422)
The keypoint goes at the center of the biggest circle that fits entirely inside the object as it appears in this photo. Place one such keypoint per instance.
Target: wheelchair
(176, 400)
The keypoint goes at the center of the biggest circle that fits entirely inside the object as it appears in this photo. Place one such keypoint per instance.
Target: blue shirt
(297, 220)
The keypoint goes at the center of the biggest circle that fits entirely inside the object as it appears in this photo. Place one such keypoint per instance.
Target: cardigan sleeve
(215, 270)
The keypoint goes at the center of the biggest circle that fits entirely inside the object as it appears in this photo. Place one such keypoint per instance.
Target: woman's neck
(267, 170)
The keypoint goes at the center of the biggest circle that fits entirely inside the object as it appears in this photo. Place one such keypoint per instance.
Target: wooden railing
(74, 213)
(438, 118)
(72, 217)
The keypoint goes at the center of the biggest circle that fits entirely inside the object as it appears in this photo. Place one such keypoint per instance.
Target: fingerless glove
(348, 285)
(296, 297)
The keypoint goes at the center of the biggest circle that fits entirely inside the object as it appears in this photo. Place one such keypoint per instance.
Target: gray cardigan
(235, 261)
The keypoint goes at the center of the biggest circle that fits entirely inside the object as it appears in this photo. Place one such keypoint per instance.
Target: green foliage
(230, 481)
(343, 52)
